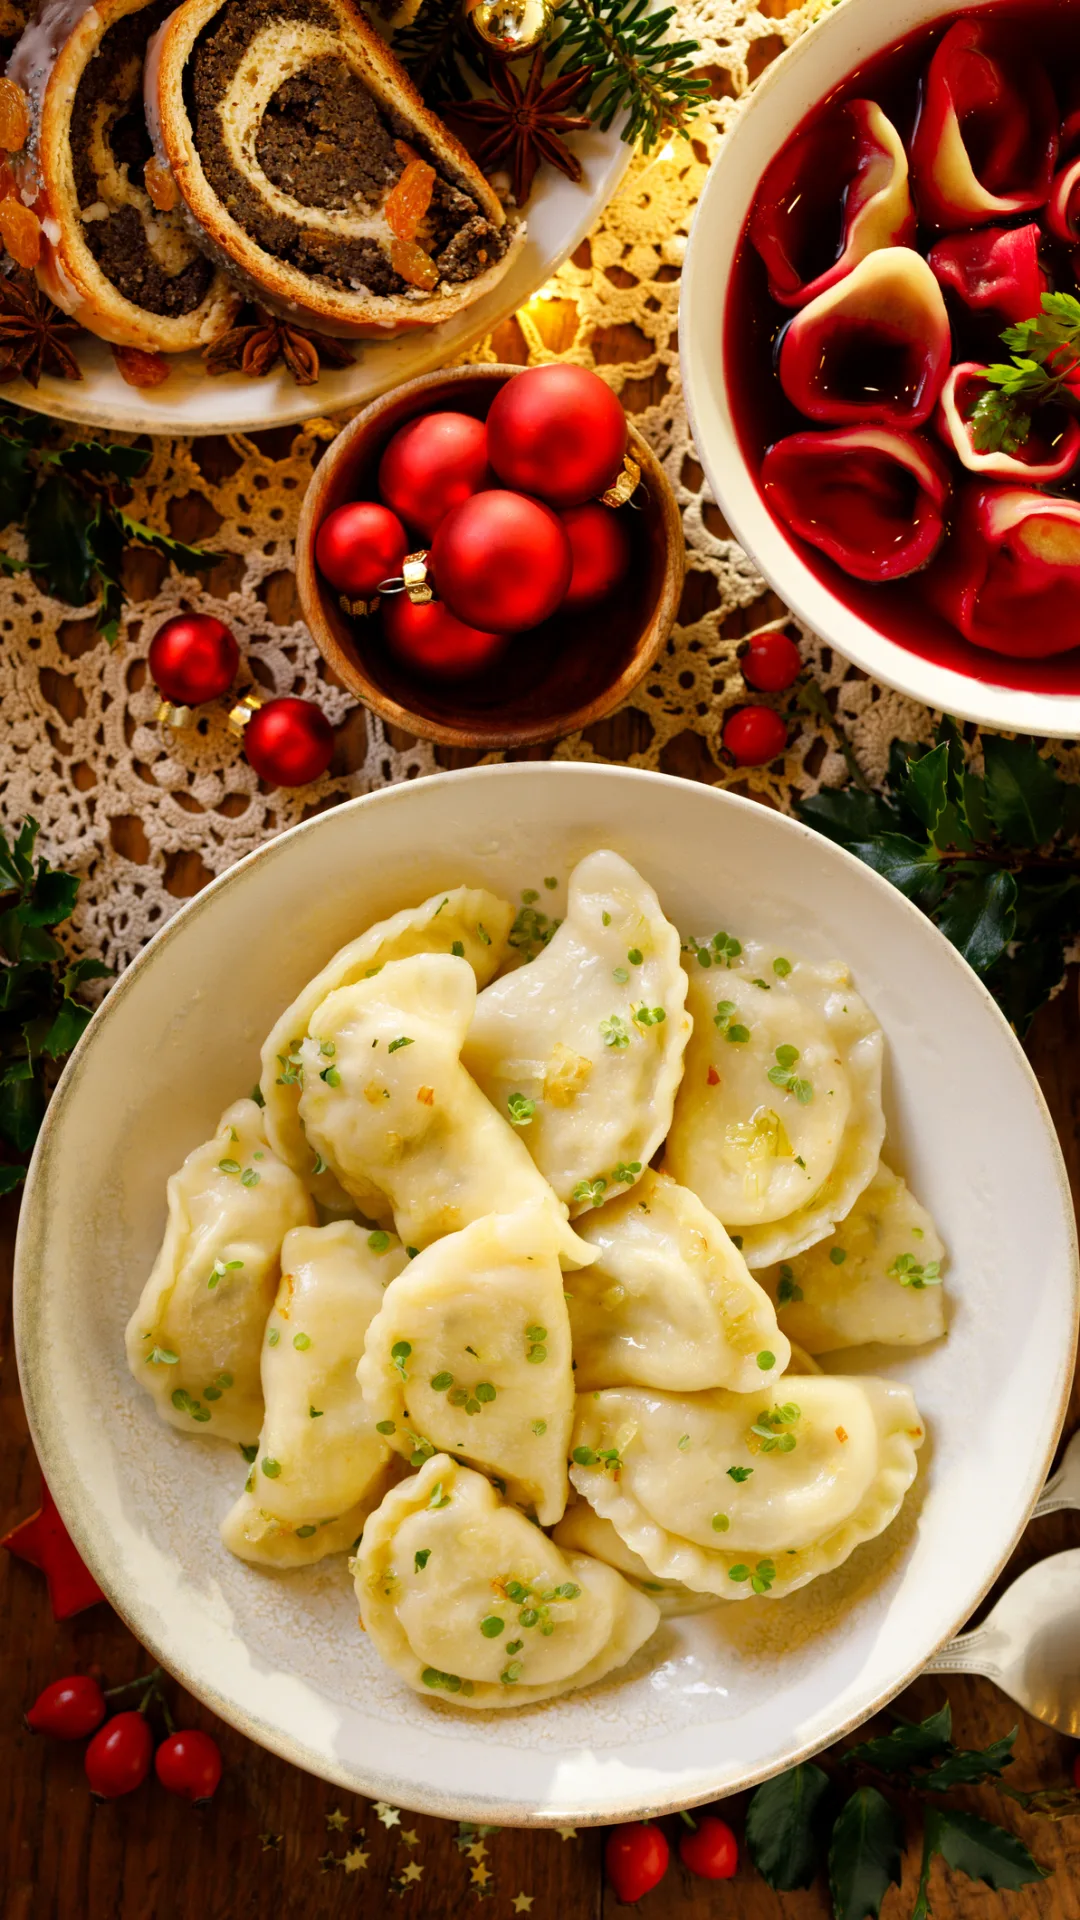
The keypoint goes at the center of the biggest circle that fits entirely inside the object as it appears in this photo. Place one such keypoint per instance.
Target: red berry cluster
(118, 1757)
(636, 1856)
(754, 735)
(506, 512)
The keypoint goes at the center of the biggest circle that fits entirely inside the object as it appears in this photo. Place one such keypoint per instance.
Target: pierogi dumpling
(670, 1301)
(737, 1494)
(195, 1338)
(778, 1122)
(876, 1278)
(470, 1354)
(582, 1531)
(388, 1104)
(321, 1467)
(583, 1047)
(470, 1603)
(467, 921)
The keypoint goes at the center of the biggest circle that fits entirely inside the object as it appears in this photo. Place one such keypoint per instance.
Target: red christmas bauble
(600, 551)
(558, 432)
(193, 658)
(289, 742)
(359, 546)
(432, 641)
(431, 465)
(501, 562)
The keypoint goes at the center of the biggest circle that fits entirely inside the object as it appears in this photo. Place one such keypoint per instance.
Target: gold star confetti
(327, 1861)
(412, 1872)
(354, 1860)
(522, 1903)
(389, 1816)
(337, 1821)
(270, 1840)
(477, 1851)
(566, 1833)
(480, 1875)
(410, 1837)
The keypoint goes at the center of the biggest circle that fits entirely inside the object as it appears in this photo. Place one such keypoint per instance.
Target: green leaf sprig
(1045, 357)
(68, 500)
(992, 858)
(40, 1017)
(807, 1819)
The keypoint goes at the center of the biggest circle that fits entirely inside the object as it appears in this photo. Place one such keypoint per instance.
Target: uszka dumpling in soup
(195, 1338)
(470, 1354)
(876, 1278)
(778, 1123)
(321, 1466)
(470, 1603)
(583, 1047)
(388, 1104)
(670, 1301)
(466, 921)
(740, 1494)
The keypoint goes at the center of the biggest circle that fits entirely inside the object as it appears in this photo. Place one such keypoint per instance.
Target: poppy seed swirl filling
(149, 256)
(304, 158)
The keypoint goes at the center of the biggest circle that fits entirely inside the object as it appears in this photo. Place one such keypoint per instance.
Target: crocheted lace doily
(79, 748)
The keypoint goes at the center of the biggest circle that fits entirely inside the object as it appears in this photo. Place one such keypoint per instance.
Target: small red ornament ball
(118, 1757)
(600, 553)
(754, 735)
(770, 662)
(193, 658)
(712, 1852)
(636, 1859)
(69, 1709)
(558, 432)
(431, 465)
(289, 742)
(432, 641)
(359, 546)
(501, 562)
(188, 1763)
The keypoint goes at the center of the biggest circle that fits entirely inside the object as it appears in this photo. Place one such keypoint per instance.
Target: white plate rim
(59, 1464)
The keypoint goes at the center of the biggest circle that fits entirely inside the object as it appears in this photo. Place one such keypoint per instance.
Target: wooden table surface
(278, 1842)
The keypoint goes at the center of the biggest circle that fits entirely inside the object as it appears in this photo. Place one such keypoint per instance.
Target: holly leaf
(925, 789)
(84, 969)
(913, 869)
(965, 1767)
(71, 1021)
(101, 462)
(912, 1743)
(16, 478)
(22, 1108)
(846, 815)
(783, 1835)
(979, 914)
(58, 523)
(184, 558)
(865, 1856)
(52, 899)
(976, 1847)
(1023, 792)
(10, 1178)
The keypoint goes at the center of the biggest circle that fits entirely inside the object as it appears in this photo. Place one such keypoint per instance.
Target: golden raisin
(409, 200)
(14, 116)
(413, 264)
(20, 230)
(141, 369)
(160, 185)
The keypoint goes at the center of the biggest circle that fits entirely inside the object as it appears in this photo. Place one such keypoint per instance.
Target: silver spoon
(1029, 1644)
(1063, 1487)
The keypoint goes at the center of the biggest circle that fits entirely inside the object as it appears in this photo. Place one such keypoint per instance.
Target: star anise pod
(32, 333)
(255, 347)
(522, 126)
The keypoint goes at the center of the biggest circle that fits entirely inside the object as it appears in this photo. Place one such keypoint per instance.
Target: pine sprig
(68, 498)
(439, 52)
(635, 69)
(992, 858)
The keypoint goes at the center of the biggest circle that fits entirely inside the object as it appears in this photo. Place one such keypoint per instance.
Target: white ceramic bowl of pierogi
(672, 1707)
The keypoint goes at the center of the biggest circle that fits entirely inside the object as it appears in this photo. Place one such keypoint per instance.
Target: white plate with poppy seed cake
(533, 1654)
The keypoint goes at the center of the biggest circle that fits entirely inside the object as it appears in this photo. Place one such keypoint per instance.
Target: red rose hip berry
(636, 1859)
(69, 1709)
(770, 662)
(754, 735)
(711, 1851)
(118, 1757)
(189, 1763)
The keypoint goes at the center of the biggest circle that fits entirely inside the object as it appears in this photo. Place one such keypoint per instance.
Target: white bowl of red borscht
(881, 347)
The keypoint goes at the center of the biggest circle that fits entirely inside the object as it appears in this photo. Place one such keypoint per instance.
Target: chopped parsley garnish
(605, 917)
(249, 1452)
(724, 1018)
(457, 948)
(535, 1350)
(220, 1269)
(483, 934)
(625, 1173)
(271, 1468)
(683, 1442)
(331, 1076)
(379, 1240)
(620, 974)
(449, 1682)
(485, 1393)
(539, 1427)
(228, 1166)
(290, 1075)
(770, 1428)
(249, 1177)
(720, 1523)
(420, 1559)
(608, 1458)
(520, 1108)
(315, 1413)
(385, 1426)
(766, 1360)
(907, 1270)
(162, 1357)
(438, 1497)
(761, 983)
(590, 1192)
(320, 1164)
(838, 1255)
(529, 896)
(402, 1041)
(513, 1671)
(412, 1252)
(614, 1032)
(550, 882)
(441, 1381)
(273, 1336)
(739, 1474)
(648, 1016)
(305, 1533)
(492, 1626)
(422, 1449)
(399, 1353)
(444, 902)
(781, 968)
(782, 1075)
(301, 1341)
(634, 955)
(789, 1288)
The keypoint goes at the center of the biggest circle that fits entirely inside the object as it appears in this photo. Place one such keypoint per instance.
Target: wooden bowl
(563, 675)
